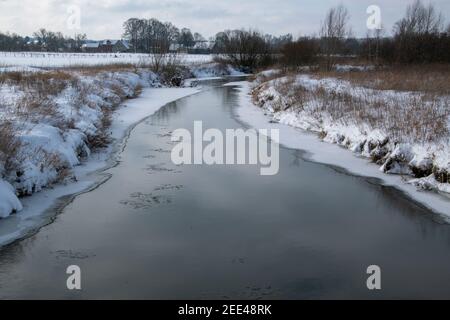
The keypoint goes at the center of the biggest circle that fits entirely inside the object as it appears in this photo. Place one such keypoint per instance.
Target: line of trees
(42, 40)
(419, 37)
(152, 35)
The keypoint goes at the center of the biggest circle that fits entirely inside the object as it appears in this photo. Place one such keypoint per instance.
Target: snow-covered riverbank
(88, 173)
(333, 154)
(60, 126)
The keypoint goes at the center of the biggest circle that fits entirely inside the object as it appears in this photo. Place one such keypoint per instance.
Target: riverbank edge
(334, 155)
(41, 208)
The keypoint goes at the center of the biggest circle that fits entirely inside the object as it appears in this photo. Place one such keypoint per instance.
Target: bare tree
(243, 48)
(299, 53)
(333, 31)
(372, 45)
(418, 35)
(133, 29)
(420, 20)
(186, 38)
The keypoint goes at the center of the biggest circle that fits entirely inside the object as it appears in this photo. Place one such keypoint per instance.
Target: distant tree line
(419, 37)
(42, 40)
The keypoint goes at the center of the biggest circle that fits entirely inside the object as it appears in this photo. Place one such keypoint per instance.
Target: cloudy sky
(102, 19)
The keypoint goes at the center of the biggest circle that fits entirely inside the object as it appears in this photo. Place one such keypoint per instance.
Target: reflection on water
(158, 231)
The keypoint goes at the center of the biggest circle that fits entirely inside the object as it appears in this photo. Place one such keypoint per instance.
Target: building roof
(91, 45)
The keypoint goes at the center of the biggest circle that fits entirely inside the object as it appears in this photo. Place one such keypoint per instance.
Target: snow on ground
(56, 131)
(8, 199)
(57, 158)
(213, 70)
(347, 68)
(56, 128)
(89, 173)
(53, 59)
(395, 155)
(332, 154)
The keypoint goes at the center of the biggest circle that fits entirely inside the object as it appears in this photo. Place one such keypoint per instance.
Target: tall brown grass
(9, 146)
(416, 118)
(432, 78)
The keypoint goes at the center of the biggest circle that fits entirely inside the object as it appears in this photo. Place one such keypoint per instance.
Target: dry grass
(419, 117)
(33, 98)
(32, 108)
(9, 146)
(430, 79)
(92, 70)
(42, 84)
(416, 118)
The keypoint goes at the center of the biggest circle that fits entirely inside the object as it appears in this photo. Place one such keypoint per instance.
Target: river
(155, 230)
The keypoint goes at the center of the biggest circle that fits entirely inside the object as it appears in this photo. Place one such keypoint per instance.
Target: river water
(155, 230)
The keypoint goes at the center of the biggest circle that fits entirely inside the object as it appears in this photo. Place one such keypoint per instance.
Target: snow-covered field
(292, 136)
(52, 59)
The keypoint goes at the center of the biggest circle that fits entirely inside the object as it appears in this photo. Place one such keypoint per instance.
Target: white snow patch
(8, 200)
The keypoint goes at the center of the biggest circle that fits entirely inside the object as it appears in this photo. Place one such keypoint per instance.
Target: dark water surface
(160, 231)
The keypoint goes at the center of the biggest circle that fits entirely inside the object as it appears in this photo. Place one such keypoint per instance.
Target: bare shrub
(244, 49)
(300, 53)
(9, 146)
(102, 138)
(333, 32)
(35, 109)
(169, 67)
(82, 91)
(53, 160)
(42, 84)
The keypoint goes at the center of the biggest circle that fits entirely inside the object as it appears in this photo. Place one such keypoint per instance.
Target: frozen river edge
(334, 155)
(39, 209)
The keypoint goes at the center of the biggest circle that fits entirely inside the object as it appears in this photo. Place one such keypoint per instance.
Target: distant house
(120, 46)
(106, 46)
(90, 47)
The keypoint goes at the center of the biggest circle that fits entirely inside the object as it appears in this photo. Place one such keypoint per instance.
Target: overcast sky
(101, 19)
